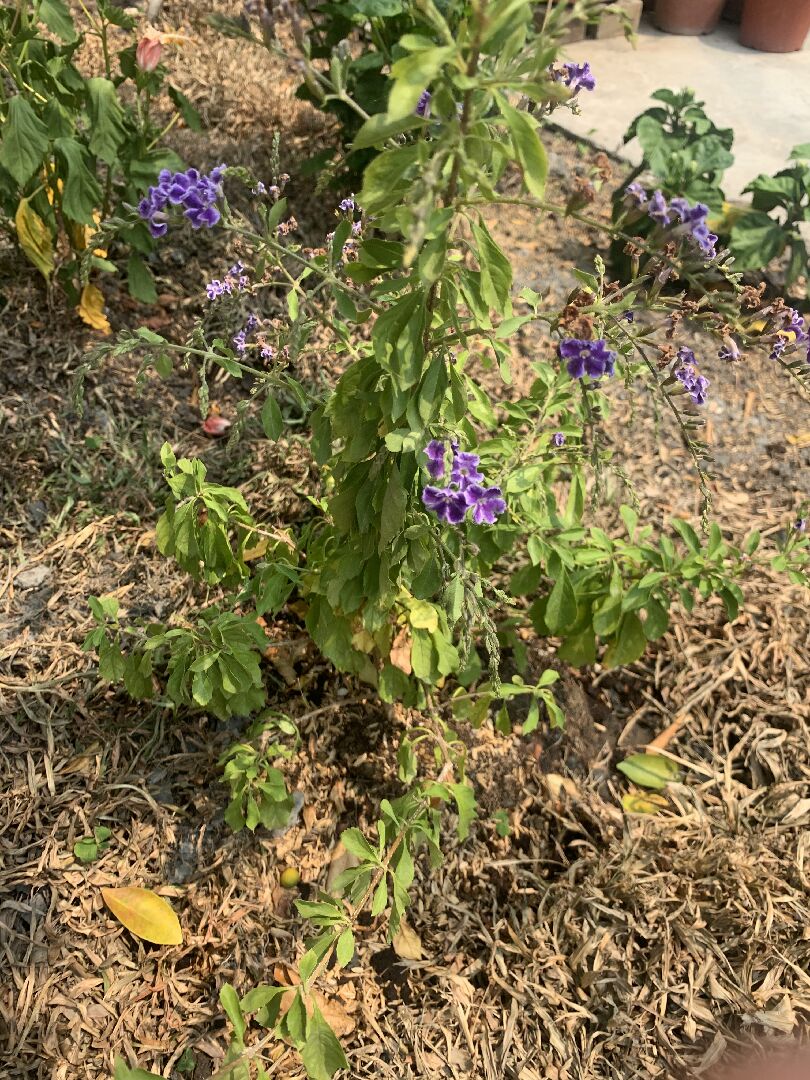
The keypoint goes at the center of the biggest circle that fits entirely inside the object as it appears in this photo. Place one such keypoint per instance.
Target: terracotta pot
(775, 25)
(688, 16)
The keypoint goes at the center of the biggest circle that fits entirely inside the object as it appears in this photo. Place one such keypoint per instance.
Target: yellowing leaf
(144, 914)
(638, 803)
(91, 309)
(35, 238)
(258, 549)
(801, 439)
(406, 942)
(649, 770)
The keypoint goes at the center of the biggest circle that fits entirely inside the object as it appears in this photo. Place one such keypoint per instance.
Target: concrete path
(765, 97)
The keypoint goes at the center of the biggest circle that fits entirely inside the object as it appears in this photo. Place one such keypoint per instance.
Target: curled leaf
(649, 770)
(91, 309)
(144, 914)
(35, 238)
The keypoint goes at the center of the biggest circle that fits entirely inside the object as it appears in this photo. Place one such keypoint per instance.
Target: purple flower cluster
(592, 358)
(685, 219)
(575, 76)
(467, 489)
(423, 104)
(235, 280)
(195, 192)
(695, 384)
(240, 338)
(789, 322)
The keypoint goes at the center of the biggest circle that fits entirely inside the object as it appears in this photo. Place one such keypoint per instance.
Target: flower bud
(148, 52)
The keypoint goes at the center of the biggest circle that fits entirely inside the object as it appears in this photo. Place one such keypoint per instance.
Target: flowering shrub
(444, 520)
(72, 150)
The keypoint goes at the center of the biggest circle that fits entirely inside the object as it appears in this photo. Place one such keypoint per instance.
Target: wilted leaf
(91, 309)
(638, 803)
(406, 942)
(35, 238)
(649, 770)
(400, 655)
(257, 550)
(144, 914)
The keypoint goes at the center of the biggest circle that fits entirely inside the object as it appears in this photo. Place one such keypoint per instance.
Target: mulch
(585, 944)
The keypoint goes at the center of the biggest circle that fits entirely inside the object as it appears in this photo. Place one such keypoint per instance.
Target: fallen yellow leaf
(406, 942)
(800, 439)
(144, 914)
(91, 309)
(35, 238)
(638, 803)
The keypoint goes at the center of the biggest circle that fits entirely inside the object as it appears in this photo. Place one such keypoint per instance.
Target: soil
(586, 943)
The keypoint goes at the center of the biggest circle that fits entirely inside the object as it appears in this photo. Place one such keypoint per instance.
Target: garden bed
(586, 943)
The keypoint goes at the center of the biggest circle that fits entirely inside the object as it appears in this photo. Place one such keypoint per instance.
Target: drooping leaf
(140, 282)
(81, 193)
(561, 609)
(25, 140)
(144, 914)
(106, 119)
(35, 238)
(649, 770)
(322, 1053)
(91, 309)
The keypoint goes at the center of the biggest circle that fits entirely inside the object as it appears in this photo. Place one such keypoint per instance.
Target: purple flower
(592, 358)
(800, 524)
(730, 349)
(486, 503)
(198, 194)
(629, 316)
(267, 352)
(347, 205)
(779, 347)
(693, 225)
(240, 342)
(578, 77)
(558, 439)
(447, 505)
(658, 210)
(686, 355)
(636, 193)
(696, 385)
(252, 322)
(464, 469)
(435, 451)
(423, 104)
(214, 289)
(260, 189)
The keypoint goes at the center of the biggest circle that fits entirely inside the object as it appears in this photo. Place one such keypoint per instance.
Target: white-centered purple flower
(197, 193)
(592, 358)
(558, 439)
(636, 194)
(467, 489)
(577, 76)
(800, 524)
(730, 349)
(695, 384)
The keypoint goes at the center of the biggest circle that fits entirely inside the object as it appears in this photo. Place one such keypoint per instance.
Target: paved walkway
(765, 97)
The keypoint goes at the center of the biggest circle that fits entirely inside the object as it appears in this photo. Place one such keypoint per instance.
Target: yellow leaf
(144, 914)
(35, 238)
(800, 439)
(406, 942)
(91, 309)
(258, 549)
(638, 803)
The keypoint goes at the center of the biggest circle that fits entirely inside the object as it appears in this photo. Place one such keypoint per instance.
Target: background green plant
(74, 149)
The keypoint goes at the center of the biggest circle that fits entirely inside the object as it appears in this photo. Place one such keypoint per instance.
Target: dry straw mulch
(587, 944)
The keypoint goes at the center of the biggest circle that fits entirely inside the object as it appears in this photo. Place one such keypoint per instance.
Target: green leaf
(755, 240)
(140, 282)
(191, 117)
(465, 804)
(106, 120)
(649, 770)
(357, 845)
(412, 74)
(56, 16)
(496, 270)
(321, 1053)
(345, 947)
(272, 420)
(529, 151)
(392, 514)
(229, 1000)
(122, 1071)
(25, 140)
(81, 194)
(561, 609)
(380, 128)
(629, 643)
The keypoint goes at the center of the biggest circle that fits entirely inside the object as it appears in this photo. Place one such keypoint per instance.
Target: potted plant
(688, 16)
(775, 25)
